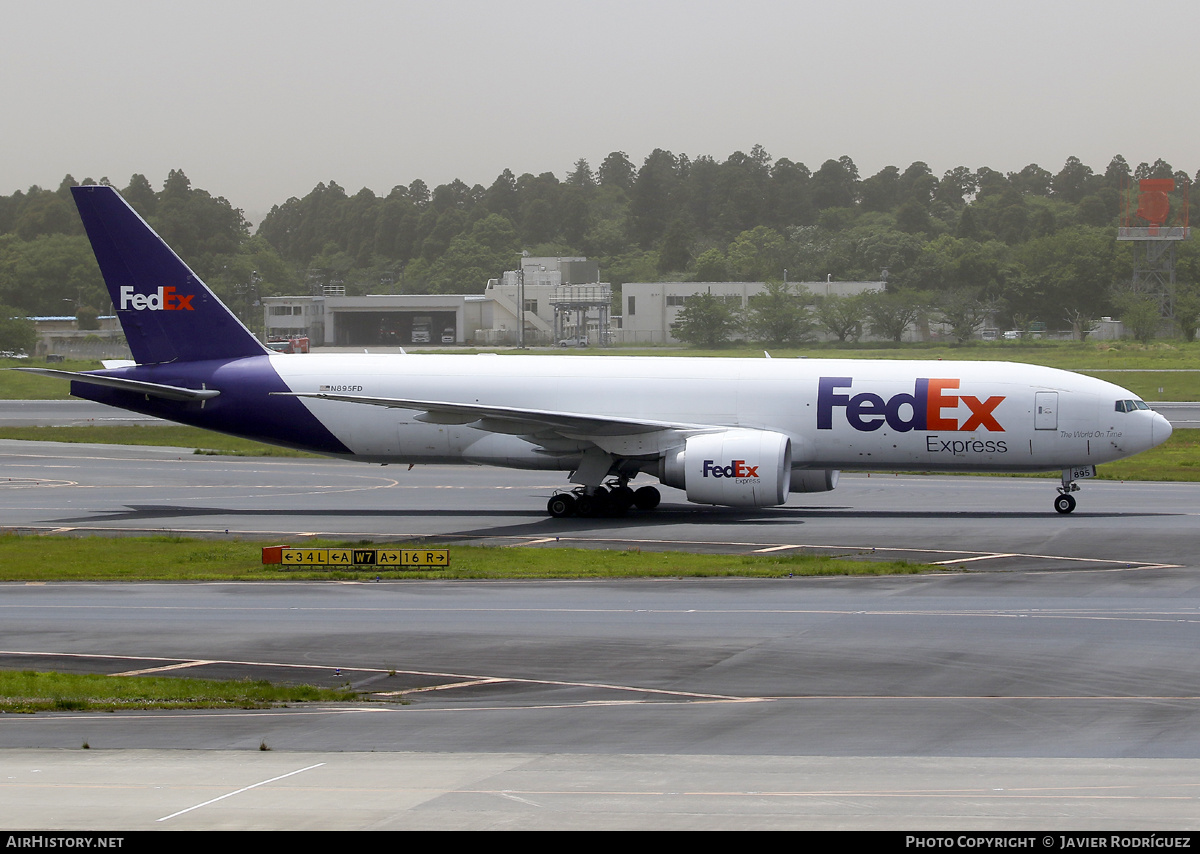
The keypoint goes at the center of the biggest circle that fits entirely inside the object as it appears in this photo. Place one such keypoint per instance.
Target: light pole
(521, 303)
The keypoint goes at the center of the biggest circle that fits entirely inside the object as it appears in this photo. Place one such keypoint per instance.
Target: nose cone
(1160, 430)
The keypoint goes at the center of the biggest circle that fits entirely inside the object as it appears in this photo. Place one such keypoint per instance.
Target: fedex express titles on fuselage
(933, 406)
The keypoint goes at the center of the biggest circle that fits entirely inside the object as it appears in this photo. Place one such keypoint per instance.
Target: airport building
(61, 336)
(564, 303)
(334, 319)
(649, 308)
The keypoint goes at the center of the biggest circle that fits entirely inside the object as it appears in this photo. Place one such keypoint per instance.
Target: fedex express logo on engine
(736, 468)
(933, 405)
(164, 299)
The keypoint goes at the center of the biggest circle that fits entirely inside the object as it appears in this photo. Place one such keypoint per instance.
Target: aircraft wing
(627, 436)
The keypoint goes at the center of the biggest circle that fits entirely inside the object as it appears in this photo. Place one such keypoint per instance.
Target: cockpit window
(1131, 405)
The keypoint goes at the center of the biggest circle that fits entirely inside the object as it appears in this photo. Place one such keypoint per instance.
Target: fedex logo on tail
(933, 405)
(164, 299)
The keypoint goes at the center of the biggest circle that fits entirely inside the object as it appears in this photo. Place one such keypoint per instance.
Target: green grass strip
(56, 559)
(18, 385)
(194, 439)
(30, 691)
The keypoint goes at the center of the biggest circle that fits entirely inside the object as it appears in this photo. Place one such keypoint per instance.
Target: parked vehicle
(422, 329)
(288, 345)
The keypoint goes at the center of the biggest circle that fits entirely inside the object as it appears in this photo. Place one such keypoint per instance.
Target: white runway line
(240, 791)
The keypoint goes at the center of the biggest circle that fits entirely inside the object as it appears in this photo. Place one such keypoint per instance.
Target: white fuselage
(838, 413)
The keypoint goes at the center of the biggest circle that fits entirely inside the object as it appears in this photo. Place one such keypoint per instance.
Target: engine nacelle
(735, 468)
(814, 480)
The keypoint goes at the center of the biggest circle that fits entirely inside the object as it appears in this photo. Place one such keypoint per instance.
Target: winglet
(167, 313)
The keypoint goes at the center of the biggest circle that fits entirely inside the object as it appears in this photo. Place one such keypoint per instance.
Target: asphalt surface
(1048, 681)
(67, 413)
(1057, 700)
(996, 523)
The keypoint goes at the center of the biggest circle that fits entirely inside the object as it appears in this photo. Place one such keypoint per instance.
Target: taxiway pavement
(1048, 682)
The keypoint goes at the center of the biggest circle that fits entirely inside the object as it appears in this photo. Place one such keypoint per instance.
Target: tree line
(47, 267)
(1033, 245)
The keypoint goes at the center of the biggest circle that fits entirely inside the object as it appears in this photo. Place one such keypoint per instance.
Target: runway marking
(506, 793)
(240, 791)
(977, 557)
(40, 466)
(183, 665)
(471, 683)
(765, 549)
(464, 680)
(559, 683)
(27, 482)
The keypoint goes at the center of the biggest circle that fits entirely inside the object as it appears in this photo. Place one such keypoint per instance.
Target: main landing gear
(1065, 502)
(616, 499)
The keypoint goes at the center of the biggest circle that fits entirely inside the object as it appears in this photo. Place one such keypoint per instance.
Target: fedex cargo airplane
(734, 432)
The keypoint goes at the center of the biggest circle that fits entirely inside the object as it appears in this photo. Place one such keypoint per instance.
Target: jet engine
(736, 468)
(814, 480)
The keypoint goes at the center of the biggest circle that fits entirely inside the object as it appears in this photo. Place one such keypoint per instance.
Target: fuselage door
(1045, 410)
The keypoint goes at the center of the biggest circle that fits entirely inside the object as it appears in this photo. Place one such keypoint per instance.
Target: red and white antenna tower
(1155, 219)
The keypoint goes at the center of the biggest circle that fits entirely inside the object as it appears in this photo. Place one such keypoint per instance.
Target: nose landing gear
(1065, 502)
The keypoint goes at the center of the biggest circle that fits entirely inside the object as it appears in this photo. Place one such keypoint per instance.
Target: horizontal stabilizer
(168, 392)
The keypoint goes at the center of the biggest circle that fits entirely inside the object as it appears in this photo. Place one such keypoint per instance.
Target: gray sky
(258, 101)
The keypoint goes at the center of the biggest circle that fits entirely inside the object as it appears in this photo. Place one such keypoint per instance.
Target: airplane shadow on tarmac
(663, 515)
(676, 522)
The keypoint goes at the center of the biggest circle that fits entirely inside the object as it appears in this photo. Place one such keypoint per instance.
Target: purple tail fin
(168, 314)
